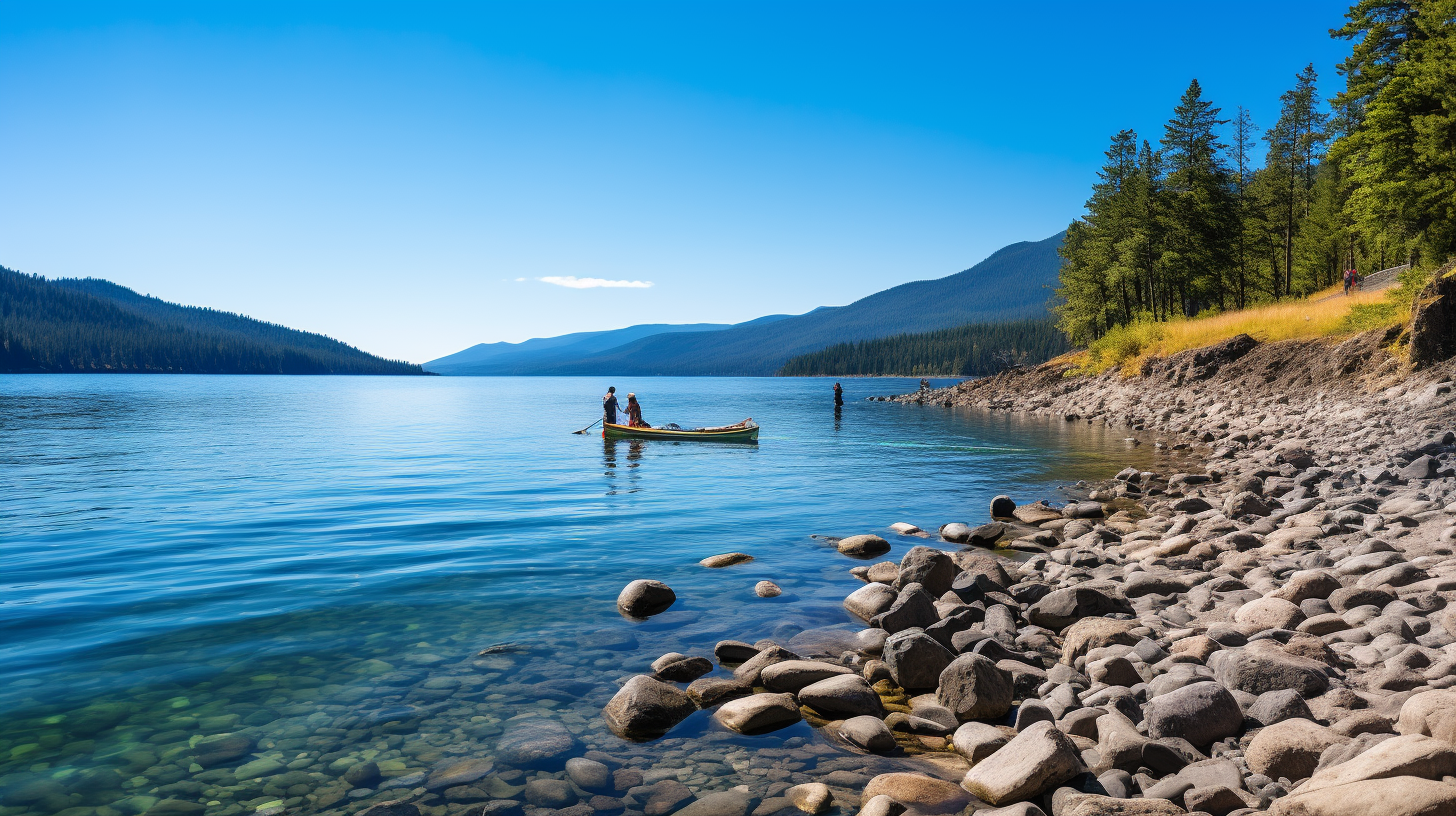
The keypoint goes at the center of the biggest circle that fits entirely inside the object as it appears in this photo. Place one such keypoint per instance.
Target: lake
(316, 564)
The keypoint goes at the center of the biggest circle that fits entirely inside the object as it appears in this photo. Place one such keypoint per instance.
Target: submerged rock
(643, 598)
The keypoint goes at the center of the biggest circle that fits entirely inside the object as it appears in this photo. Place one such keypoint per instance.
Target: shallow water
(316, 562)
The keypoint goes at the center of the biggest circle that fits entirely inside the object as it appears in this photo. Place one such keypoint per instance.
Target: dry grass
(1129, 346)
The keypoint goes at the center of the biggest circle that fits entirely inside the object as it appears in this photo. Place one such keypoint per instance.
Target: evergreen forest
(92, 325)
(1198, 223)
(975, 350)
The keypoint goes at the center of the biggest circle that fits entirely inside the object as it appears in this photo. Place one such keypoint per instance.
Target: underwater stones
(534, 740)
(863, 546)
(263, 766)
(550, 793)
(644, 598)
(758, 713)
(588, 774)
(397, 807)
(362, 774)
(811, 797)
(460, 772)
(645, 707)
(722, 803)
(219, 750)
(725, 560)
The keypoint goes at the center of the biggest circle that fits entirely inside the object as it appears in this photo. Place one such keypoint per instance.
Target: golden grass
(1313, 317)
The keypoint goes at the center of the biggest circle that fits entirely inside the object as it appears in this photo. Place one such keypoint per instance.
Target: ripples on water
(314, 563)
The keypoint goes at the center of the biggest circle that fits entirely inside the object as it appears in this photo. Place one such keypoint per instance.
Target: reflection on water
(226, 593)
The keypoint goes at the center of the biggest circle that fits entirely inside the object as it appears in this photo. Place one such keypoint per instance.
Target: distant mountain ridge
(85, 325)
(1013, 283)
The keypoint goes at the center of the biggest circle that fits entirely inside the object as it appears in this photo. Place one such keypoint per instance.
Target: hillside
(1013, 283)
(528, 356)
(92, 325)
(975, 350)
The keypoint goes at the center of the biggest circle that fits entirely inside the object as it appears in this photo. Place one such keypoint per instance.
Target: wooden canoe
(745, 431)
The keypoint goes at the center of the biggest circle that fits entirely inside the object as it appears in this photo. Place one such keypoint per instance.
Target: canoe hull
(728, 434)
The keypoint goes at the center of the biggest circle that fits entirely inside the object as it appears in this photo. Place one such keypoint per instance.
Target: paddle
(587, 428)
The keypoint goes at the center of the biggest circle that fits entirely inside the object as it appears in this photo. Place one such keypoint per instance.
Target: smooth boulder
(1037, 760)
(842, 696)
(1202, 713)
(758, 713)
(863, 546)
(647, 707)
(973, 687)
(644, 598)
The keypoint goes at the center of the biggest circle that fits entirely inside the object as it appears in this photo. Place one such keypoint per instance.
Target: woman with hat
(634, 413)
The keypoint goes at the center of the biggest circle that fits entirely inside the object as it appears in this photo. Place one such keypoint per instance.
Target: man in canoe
(609, 406)
(634, 413)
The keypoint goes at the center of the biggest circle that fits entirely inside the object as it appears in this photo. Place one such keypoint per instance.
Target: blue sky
(403, 176)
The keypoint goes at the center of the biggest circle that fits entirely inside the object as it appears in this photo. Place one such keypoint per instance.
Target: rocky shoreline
(1269, 632)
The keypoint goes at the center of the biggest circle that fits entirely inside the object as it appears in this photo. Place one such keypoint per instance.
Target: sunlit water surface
(315, 564)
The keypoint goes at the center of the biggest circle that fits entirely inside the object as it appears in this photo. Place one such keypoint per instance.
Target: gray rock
(726, 560)
(1262, 666)
(863, 546)
(643, 598)
(843, 696)
(1202, 713)
(955, 532)
(683, 669)
(1279, 705)
(710, 691)
(751, 670)
(931, 568)
(733, 651)
(767, 589)
(869, 733)
(792, 675)
(916, 660)
(646, 707)
(870, 600)
(1003, 507)
(900, 721)
(986, 535)
(723, 803)
(1035, 761)
(1064, 607)
(1217, 799)
(758, 713)
(362, 774)
(976, 740)
(913, 608)
(666, 796)
(1114, 671)
(974, 688)
(811, 797)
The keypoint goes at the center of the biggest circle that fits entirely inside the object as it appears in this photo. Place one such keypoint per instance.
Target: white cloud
(573, 282)
(521, 280)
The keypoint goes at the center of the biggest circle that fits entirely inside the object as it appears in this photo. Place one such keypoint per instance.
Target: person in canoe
(609, 406)
(634, 413)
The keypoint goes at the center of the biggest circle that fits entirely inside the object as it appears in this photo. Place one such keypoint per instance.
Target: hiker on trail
(609, 406)
(1349, 275)
(838, 396)
(634, 413)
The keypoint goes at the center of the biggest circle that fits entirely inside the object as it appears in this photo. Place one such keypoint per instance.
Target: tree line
(974, 350)
(91, 325)
(1365, 180)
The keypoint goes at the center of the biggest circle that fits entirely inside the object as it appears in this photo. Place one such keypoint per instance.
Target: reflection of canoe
(745, 431)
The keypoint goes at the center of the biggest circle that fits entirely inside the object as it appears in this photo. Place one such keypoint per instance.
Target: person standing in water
(838, 396)
(609, 406)
(634, 413)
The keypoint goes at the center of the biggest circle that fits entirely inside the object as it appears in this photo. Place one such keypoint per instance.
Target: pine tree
(1199, 202)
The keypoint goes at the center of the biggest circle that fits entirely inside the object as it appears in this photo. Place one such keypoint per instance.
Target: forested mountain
(529, 355)
(1366, 181)
(1013, 283)
(976, 350)
(92, 325)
